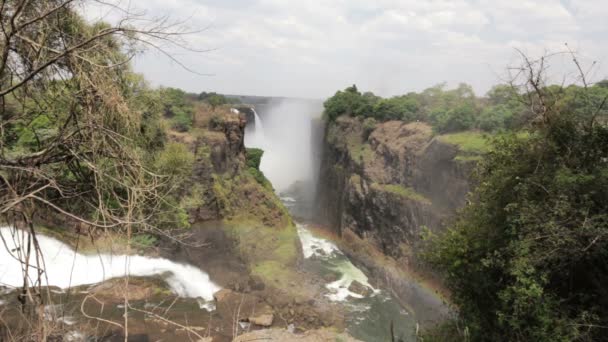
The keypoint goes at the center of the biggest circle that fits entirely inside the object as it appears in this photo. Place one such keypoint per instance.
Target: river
(368, 318)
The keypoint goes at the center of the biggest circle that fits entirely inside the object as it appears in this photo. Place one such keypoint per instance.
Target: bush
(178, 108)
(526, 259)
(369, 124)
(254, 157)
(182, 121)
(349, 102)
(175, 160)
(457, 119)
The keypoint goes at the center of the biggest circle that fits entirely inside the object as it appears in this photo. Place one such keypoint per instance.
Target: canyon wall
(384, 183)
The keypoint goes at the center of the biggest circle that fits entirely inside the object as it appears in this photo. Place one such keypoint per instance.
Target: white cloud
(312, 48)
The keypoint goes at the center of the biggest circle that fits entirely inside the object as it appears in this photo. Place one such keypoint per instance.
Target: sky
(312, 48)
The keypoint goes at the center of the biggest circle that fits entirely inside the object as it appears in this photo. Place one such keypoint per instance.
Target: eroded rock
(264, 320)
(360, 289)
(243, 307)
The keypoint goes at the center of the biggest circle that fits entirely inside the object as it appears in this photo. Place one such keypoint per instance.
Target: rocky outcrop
(381, 185)
(283, 335)
(389, 181)
(360, 289)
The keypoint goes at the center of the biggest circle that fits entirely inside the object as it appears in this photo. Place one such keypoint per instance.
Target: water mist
(287, 132)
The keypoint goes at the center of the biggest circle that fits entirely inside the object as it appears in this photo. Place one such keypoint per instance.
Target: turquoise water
(368, 317)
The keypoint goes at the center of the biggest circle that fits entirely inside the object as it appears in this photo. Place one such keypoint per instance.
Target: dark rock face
(360, 289)
(387, 187)
(220, 151)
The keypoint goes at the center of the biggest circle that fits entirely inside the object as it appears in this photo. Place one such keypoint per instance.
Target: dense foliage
(526, 260)
(448, 110)
(178, 108)
(215, 99)
(254, 159)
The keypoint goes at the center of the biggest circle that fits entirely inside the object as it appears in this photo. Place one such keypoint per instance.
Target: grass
(362, 153)
(401, 191)
(270, 252)
(470, 142)
(274, 273)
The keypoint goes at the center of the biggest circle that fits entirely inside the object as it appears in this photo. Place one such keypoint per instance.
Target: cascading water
(288, 160)
(254, 137)
(368, 317)
(66, 268)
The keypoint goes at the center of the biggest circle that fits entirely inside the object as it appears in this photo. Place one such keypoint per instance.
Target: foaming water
(368, 318)
(316, 246)
(66, 268)
(334, 260)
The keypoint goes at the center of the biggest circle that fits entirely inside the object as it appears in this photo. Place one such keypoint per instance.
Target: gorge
(296, 263)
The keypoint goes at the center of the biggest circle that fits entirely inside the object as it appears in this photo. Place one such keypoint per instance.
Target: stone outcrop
(360, 289)
(388, 186)
(381, 185)
(320, 335)
(243, 307)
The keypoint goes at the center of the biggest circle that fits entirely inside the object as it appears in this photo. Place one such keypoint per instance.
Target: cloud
(312, 48)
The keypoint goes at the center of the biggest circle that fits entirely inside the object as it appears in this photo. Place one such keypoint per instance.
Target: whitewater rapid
(330, 254)
(64, 267)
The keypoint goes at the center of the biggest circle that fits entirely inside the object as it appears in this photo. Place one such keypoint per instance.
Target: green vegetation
(175, 160)
(215, 100)
(144, 240)
(271, 252)
(80, 130)
(177, 108)
(254, 158)
(401, 191)
(468, 142)
(503, 108)
(526, 259)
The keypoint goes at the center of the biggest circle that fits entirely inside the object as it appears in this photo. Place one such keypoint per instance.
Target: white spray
(313, 246)
(66, 268)
(255, 137)
(284, 134)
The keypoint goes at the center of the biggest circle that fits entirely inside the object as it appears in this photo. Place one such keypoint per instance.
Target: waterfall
(254, 137)
(259, 127)
(64, 267)
(286, 129)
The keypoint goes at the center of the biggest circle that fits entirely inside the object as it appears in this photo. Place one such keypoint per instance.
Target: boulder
(360, 289)
(264, 320)
(221, 295)
(331, 277)
(256, 283)
(248, 307)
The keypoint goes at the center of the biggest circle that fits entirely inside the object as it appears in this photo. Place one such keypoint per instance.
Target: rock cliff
(389, 181)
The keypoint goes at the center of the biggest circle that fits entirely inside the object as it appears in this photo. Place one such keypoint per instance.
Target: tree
(348, 102)
(72, 137)
(526, 259)
(178, 108)
(216, 100)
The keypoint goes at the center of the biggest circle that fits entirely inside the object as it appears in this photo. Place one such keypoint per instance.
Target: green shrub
(526, 259)
(254, 157)
(144, 240)
(369, 124)
(175, 160)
